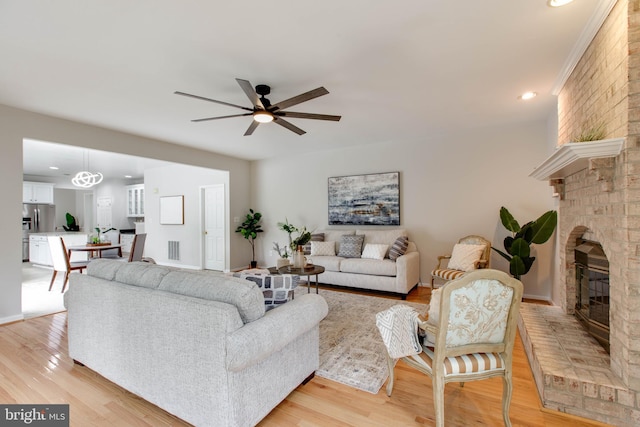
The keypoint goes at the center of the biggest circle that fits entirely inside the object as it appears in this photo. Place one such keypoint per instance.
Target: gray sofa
(197, 344)
(399, 276)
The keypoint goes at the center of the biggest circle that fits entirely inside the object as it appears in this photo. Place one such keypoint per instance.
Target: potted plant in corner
(249, 230)
(518, 246)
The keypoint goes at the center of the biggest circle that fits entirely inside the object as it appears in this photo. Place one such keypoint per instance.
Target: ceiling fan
(264, 112)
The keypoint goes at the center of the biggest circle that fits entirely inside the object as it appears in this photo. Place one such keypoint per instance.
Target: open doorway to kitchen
(120, 171)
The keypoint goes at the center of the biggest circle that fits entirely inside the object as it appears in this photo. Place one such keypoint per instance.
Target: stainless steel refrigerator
(36, 219)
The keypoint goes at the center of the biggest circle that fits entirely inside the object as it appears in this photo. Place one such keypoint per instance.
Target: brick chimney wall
(604, 199)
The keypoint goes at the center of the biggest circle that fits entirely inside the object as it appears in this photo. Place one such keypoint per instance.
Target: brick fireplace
(599, 202)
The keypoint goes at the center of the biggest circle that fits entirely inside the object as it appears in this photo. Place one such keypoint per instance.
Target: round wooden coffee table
(306, 271)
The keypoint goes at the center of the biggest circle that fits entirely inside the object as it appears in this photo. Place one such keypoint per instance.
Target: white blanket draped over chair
(473, 332)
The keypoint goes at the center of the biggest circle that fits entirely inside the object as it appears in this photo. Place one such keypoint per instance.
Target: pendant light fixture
(86, 179)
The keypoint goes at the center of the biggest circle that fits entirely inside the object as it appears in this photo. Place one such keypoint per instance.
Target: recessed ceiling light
(55, 168)
(558, 3)
(128, 176)
(528, 95)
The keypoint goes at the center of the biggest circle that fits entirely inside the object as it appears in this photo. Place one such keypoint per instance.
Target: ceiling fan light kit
(262, 110)
(262, 116)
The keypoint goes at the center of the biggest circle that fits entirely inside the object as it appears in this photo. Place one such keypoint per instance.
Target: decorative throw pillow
(323, 248)
(351, 246)
(464, 257)
(317, 237)
(399, 247)
(374, 251)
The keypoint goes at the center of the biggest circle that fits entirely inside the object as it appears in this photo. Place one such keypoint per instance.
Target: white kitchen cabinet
(37, 192)
(39, 252)
(135, 200)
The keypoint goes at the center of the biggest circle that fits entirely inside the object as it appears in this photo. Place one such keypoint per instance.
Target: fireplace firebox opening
(592, 290)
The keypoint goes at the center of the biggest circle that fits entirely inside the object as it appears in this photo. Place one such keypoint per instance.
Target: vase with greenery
(302, 239)
(518, 245)
(249, 229)
(98, 237)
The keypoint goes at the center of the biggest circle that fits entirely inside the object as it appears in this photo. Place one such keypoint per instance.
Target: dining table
(93, 248)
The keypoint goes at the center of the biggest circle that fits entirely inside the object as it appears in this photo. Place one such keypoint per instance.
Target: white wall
(451, 186)
(16, 124)
(179, 180)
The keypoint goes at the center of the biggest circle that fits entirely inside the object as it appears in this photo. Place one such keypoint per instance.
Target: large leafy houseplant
(518, 245)
(303, 238)
(249, 229)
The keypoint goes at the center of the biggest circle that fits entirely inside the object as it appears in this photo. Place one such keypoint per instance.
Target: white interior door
(214, 227)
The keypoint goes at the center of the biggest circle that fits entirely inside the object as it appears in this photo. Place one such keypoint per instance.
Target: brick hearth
(571, 370)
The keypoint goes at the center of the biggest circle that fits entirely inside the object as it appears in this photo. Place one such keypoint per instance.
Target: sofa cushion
(141, 274)
(243, 294)
(315, 237)
(330, 263)
(374, 251)
(351, 246)
(335, 235)
(323, 248)
(399, 247)
(103, 268)
(381, 236)
(372, 267)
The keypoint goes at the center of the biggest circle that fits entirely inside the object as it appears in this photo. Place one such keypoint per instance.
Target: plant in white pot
(249, 229)
(283, 253)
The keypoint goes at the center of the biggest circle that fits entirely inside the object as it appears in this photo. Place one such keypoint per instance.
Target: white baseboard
(11, 319)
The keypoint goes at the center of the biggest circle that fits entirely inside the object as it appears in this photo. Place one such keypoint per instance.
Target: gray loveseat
(398, 276)
(197, 344)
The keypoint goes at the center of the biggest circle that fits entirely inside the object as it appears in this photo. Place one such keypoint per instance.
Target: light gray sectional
(398, 276)
(197, 344)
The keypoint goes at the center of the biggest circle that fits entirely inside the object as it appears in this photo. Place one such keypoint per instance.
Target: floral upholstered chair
(470, 335)
(470, 253)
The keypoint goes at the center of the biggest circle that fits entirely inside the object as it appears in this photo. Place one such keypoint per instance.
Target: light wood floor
(35, 368)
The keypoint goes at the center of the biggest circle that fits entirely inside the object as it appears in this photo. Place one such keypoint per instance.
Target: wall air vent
(174, 250)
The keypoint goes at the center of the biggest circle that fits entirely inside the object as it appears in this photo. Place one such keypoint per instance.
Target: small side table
(306, 271)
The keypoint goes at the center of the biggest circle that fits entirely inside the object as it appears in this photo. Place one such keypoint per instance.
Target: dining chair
(113, 253)
(61, 262)
(137, 247)
(470, 334)
(470, 253)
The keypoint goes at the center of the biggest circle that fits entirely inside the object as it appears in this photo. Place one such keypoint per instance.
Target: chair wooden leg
(391, 366)
(507, 389)
(438, 399)
(66, 279)
(53, 279)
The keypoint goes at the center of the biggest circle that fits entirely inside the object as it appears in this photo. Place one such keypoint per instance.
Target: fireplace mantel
(574, 156)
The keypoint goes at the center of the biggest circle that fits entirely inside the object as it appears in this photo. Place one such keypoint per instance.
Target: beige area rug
(36, 298)
(351, 350)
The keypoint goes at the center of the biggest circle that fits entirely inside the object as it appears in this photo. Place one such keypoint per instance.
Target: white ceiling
(396, 71)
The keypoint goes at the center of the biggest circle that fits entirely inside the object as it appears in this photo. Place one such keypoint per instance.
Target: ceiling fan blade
(308, 116)
(299, 99)
(282, 122)
(221, 117)
(251, 127)
(212, 100)
(251, 93)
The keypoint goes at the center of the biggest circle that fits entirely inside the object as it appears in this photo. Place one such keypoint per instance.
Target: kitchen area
(117, 210)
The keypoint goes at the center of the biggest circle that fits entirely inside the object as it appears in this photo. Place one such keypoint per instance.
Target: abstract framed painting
(372, 199)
